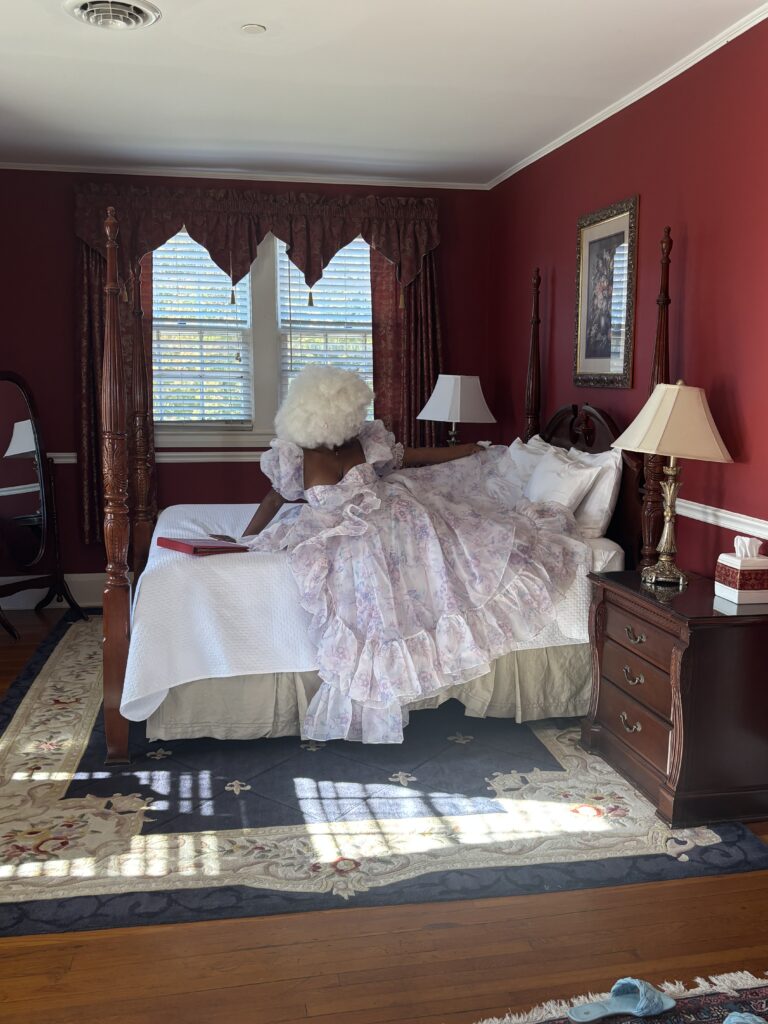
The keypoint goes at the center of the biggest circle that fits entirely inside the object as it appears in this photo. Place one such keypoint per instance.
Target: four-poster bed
(586, 429)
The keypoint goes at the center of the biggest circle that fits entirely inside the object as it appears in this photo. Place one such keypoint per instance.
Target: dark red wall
(37, 286)
(696, 154)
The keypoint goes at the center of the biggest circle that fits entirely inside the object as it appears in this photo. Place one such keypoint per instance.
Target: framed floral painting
(606, 258)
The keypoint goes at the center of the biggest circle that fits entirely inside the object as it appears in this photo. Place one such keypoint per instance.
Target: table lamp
(456, 399)
(675, 422)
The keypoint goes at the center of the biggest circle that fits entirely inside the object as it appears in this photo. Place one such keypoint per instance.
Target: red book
(200, 545)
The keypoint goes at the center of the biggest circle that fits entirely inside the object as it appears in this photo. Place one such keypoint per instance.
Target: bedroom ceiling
(432, 91)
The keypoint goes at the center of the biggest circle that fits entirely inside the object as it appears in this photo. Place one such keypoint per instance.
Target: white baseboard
(735, 521)
(86, 587)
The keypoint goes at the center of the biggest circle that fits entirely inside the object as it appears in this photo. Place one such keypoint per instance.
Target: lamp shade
(675, 421)
(22, 440)
(457, 399)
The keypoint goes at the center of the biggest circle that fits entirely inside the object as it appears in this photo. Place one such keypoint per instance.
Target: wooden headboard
(637, 519)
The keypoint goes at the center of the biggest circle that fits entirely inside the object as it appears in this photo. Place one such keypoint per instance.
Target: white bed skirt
(527, 685)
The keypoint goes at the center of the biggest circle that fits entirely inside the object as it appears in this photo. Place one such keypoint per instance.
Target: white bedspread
(239, 614)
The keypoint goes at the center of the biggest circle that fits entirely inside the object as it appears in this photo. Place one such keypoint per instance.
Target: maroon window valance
(231, 223)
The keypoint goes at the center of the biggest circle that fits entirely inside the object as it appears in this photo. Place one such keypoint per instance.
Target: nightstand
(680, 697)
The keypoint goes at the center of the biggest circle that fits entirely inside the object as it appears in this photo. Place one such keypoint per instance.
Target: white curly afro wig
(324, 406)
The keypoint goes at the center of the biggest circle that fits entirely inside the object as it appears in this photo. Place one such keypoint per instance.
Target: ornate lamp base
(453, 436)
(664, 573)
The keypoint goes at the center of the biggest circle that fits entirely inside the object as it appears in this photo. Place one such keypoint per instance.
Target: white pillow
(596, 509)
(558, 478)
(523, 459)
(538, 443)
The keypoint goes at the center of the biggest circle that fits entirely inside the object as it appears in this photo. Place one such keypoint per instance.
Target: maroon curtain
(90, 336)
(388, 323)
(407, 349)
(230, 224)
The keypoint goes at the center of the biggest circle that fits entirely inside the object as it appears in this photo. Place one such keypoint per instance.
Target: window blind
(337, 328)
(201, 341)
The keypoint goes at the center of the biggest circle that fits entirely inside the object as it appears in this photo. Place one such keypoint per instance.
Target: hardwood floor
(422, 964)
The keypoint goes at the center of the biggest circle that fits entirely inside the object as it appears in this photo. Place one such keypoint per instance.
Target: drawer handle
(634, 638)
(637, 727)
(633, 680)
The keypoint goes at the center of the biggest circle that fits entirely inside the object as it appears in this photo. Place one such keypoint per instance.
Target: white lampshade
(675, 421)
(22, 440)
(457, 399)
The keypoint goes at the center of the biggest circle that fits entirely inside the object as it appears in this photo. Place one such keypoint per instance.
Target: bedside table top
(697, 603)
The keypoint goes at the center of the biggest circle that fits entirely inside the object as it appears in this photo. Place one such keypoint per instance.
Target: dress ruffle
(367, 680)
(283, 464)
(416, 581)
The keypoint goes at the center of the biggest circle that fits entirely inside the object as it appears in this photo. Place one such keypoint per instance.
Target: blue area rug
(201, 829)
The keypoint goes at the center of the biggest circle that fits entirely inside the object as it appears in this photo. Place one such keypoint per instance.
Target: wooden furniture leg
(114, 454)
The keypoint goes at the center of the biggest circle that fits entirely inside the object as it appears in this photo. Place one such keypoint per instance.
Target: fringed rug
(708, 1002)
(203, 829)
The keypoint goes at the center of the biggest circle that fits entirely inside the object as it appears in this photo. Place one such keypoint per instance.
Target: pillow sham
(558, 478)
(523, 459)
(595, 510)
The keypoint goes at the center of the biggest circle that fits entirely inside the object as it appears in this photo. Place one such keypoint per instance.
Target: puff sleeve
(379, 447)
(283, 464)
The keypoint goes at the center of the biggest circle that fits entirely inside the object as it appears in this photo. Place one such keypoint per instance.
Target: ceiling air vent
(114, 14)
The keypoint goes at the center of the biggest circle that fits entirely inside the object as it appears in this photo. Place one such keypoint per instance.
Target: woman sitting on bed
(416, 579)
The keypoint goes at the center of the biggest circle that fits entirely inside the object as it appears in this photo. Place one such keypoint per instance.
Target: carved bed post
(114, 455)
(533, 382)
(653, 502)
(141, 468)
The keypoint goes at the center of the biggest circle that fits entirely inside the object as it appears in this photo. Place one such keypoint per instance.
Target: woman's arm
(265, 513)
(430, 456)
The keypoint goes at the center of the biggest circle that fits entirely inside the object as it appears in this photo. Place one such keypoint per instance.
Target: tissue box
(742, 580)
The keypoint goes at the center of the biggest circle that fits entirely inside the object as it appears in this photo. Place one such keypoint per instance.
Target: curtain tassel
(402, 298)
(232, 299)
(310, 300)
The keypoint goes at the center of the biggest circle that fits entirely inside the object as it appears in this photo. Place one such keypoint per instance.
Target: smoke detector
(114, 14)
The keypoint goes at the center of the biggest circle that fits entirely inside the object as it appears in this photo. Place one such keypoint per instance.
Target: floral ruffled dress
(415, 579)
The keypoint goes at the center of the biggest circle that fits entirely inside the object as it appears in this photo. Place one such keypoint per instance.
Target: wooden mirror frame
(49, 550)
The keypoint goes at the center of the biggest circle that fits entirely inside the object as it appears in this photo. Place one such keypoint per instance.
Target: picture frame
(606, 277)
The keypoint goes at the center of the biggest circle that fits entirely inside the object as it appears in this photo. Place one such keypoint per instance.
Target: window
(201, 339)
(336, 328)
(220, 369)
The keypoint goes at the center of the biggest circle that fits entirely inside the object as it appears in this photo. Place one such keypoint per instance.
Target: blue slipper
(628, 996)
(743, 1018)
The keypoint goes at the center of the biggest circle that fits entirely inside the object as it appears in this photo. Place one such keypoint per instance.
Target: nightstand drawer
(639, 678)
(634, 725)
(632, 632)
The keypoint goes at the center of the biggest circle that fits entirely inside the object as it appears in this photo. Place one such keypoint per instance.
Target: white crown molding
(87, 589)
(209, 456)
(233, 174)
(728, 34)
(722, 517)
